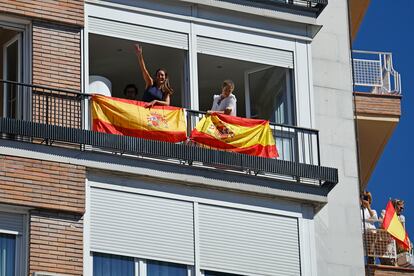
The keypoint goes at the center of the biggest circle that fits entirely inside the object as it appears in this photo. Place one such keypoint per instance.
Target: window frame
(22, 238)
(141, 265)
(24, 27)
(302, 85)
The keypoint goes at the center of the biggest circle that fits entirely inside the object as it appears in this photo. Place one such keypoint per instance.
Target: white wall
(337, 226)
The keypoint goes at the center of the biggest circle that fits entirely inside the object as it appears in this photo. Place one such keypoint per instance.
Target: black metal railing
(294, 144)
(313, 7)
(58, 115)
(42, 104)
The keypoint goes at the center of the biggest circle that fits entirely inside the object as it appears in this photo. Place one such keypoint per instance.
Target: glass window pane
(155, 268)
(213, 273)
(118, 63)
(7, 254)
(112, 265)
(262, 91)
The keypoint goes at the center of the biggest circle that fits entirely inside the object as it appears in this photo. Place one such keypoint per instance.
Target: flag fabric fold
(394, 227)
(132, 118)
(242, 135)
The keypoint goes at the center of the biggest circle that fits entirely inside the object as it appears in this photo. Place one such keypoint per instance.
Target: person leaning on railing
(226, 101)
(157, 90)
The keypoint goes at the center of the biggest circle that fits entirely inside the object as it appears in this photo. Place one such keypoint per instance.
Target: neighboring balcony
(377, 91)
(57, 117)
(307, 7)
(383, 256)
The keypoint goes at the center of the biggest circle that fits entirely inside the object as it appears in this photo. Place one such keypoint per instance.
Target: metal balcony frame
(185, 153)
(313, 7)
(375, 71)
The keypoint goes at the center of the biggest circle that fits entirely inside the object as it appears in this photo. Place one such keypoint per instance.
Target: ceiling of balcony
(377, 117)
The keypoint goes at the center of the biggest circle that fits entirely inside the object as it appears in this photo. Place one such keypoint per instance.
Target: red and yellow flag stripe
(132, 118)
(248, 136)
(394, 227)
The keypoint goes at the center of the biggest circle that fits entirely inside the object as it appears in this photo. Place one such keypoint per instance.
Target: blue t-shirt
(152, 93)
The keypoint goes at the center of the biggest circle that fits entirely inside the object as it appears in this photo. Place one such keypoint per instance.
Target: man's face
(130, 93)
(226, 90)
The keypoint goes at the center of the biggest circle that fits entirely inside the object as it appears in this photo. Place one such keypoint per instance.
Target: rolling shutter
(248, 243)
(135, 225)
(137, 33)
(248, 52)
(11, 222)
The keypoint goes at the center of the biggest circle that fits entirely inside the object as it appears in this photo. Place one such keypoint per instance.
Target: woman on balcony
(157, 91)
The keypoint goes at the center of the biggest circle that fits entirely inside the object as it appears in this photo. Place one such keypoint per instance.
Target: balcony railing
(374, 73)
(56, 116)
(314, 7)
(381, 248)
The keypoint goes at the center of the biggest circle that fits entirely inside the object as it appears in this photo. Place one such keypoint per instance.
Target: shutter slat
(137, 225)
(248, 243)
(248, 52)
(11, 222)
(138, 33)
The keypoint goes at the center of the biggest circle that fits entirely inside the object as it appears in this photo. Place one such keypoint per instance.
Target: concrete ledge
(172, 172)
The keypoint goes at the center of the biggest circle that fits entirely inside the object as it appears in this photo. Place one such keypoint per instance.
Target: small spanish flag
(225, 132)
(394, 227)
(131, 118)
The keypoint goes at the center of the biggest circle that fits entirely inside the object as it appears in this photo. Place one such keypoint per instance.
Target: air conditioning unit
(405, 259)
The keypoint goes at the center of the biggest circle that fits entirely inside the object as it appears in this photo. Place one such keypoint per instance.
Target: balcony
(57, 117)
(383, 256)
(309, 7)
(377, 91)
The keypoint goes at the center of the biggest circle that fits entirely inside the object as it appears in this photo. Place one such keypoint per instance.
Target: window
(118, 63)
(155, 268)
(262, 91)
(112, 265)
(213, 273)
(11, 70)
(13, 238)
(7, 254)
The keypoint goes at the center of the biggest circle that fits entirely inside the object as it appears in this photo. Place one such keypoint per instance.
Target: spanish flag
(236, 134)
(132, 118)
(394, 227)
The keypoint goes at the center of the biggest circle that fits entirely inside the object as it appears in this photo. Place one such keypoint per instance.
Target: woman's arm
(165, 102)
(227, 111)
(145, 74)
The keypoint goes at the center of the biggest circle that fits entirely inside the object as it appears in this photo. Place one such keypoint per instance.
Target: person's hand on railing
(150, 104)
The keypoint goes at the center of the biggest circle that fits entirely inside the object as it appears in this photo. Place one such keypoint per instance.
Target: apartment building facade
(77, 202)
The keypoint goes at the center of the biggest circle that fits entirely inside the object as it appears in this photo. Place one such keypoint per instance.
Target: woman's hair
(228, 83)
(166, 87)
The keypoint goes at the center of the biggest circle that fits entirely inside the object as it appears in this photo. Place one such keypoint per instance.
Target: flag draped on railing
(248, 136)
(132, 118)
(394, 227)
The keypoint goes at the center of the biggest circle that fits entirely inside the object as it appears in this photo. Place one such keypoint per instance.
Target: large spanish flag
(393, 226)
(132, 118)
(236, 134)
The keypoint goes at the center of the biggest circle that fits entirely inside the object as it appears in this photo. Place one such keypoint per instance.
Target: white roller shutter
(136, 32)
(248, 243)
(143, 226)
(248, 52)
(11, 222)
